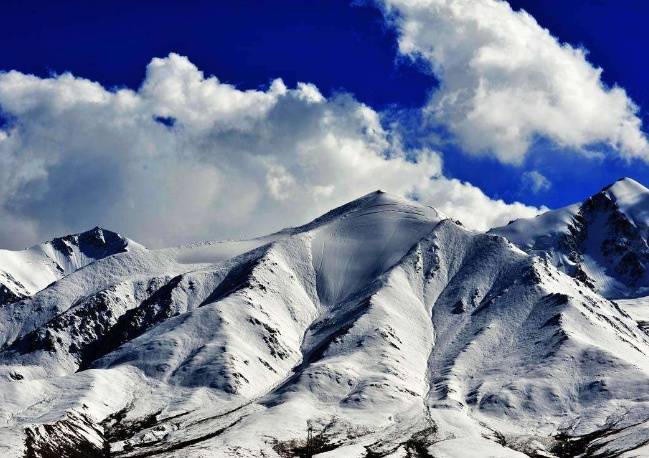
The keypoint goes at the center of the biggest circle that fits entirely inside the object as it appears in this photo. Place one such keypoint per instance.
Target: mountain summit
(602, 240)
(380, 329)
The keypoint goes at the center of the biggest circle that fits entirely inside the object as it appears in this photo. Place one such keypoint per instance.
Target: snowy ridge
(389, 328)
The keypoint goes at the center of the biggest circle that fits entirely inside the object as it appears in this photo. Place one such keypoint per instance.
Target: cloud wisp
(505, 81)
(535, 181)
(186, 157)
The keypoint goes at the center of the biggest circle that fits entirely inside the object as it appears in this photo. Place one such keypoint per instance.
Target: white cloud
(233, 163)
(471, 206)
(535, 181)
(504, 80)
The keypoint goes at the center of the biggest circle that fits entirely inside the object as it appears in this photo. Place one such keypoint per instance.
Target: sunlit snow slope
(386, 327)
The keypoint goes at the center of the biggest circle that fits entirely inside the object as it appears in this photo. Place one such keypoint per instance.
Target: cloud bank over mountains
(505, 81)
(187, 157)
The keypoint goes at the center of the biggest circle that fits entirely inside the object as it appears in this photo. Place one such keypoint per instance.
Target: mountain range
(380, 329)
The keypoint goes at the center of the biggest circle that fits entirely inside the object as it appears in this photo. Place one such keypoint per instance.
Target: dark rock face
(75, 436)
(607, 235)
(7, 296)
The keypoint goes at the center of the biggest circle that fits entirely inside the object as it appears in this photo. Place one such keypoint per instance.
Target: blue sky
(339, 46)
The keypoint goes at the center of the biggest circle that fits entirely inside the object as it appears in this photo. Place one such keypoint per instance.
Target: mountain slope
(387, 327)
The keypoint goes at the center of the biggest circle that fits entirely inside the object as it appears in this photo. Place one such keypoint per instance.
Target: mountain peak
(626, 191)
(25, 272)
(95, 231)
(602, 240)
(625, 181)
(632, 199)
(96, 242)
(382, 196)
(378, 201)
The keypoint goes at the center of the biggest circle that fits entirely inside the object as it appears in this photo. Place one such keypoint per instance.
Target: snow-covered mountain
(25, 272)
(602, 241)
(381, 329)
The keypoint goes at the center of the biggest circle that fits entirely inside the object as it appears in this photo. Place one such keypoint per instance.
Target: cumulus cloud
(186, 157)
(505, 80)
(470, 205)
